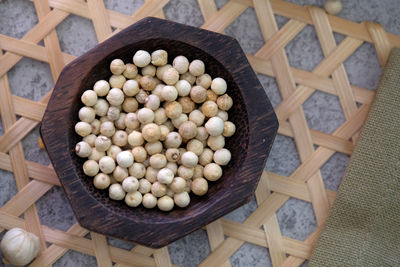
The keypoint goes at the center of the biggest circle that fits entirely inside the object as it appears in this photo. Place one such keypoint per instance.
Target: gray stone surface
(32, 79)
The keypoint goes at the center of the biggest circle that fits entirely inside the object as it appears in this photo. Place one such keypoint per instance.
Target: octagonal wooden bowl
(252, 113)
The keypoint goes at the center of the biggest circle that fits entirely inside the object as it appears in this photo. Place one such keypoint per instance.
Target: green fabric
(363, 228)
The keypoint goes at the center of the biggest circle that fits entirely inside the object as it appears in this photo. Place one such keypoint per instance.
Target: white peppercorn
(182, 199)
(102, 143)
(229, 129)
(222, 156)
(183, 87)
(117, 81)
(149, 70)
(198, 94)
(209, 109)
(216, 142)
(165, 176)
(144, 186)
(196, 67)
(130, 184)
(101, 88)
(153, 147)
(83, 149)
(132, 121)
(130, 71)
(89, 98)
(197, 117)
(158, 189)
(151, 174)
(164, 132)
(211, 96)
(224, 102)
(131, 88)
(202, 133)
(158, 161)
(130, 104)
(120, 122)
(178, 121)
(135, 138)
(165, 203)
(204, 80)
(117, 66)
(212, 172)
(113, 152)
(170, 76)
(133, 199)
(160, 116)
(96, 155)
(187, 104)
(188, 77)
(83, 128)
(173, 110)
(198, 171)
(113, 113)
(172, 154)
(141, 58)
(178, 185)
(90, 167)
(107, 128)
(90, 139)
(188, 130)
(107, 164)
(120, 173)
(151, 132)
(125, 159)
(159, 57)
(120, 138)
(172, 166)
(169, 93)
(219, 86)
(185, 172)
(95, 124)
(115, 97)
(116, 192)
(145, 115)
(137, 170)
(189, 159)
(199, 186)
(141, 96)
(149, 201)
(215, 126)
(157, 91)
(152, 102)
(222, 114)
(147, 83)
(195, 146)
(101, 107)
(101, 181)
(181, 64)
(206, 157)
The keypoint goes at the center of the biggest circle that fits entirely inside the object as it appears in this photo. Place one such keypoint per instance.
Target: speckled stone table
(32, 79)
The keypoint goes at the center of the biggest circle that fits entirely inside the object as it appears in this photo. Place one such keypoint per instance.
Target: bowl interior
(237, 144)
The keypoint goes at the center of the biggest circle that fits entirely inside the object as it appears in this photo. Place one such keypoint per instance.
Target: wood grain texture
(252, 113)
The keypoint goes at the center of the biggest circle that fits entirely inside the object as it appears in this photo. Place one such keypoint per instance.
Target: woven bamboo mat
(296, 86)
